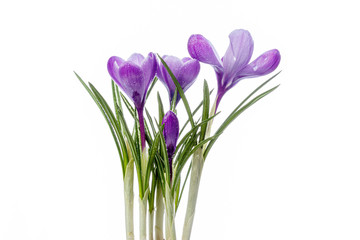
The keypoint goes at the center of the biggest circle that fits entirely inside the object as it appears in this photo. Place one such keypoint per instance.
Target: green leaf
(205, 114)
(193, 113)
(131, 110)
(173, 102)
(234, 115)
(150, 121)
(151, 87)
(183, 187)
(164, 154)
(161, 108)
(181, 92)
(152, 193)
(133, 152)
(152, 153)
(192, 131)
(253, 92)
(107, 118)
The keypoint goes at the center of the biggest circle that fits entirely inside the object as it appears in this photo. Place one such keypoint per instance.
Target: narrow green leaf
(256, 89)
(131, 110)
(193, 113)
(233, 116)
(193, 130)
(151, 122)
(205, 113)
(164, 154)
(161, 108)
(173, 102)
(111, 127)
(183, 187)
(151, 87)
(152, 153)
(133, 152)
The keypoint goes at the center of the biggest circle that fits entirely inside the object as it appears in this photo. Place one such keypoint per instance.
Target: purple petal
(149, 67)
(264, 64)
(171, 131)
(238, 53)
(188, 73)
(113, 67)
(136, 58)
(185, 59)
(201, 49)
(174, 64)
(132, 82)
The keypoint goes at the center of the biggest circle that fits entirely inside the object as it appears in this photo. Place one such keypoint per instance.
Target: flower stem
(151, 225)
(217, 100)
(170, 215)
(142, 127)
(143, 211)
(197, 166)
(159, 217)
(129, 200)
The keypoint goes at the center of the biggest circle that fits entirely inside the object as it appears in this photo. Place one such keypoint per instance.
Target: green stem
(151, 225)
(197, 166)
(129, 200)
(170, 215)
(143, 212)
(159, 217)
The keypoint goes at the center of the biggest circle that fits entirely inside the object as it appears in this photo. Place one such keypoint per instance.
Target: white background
(288, 168)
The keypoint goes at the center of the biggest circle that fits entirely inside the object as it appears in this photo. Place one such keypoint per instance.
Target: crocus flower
(134, 77)
(185, 71)
(234, 66)
(171, 134)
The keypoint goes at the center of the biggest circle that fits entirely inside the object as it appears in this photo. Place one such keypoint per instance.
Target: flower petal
(188, 73)
(171, 132)
(149, 67)
(238, 53)
(185, 59)
(132, 82)
(201, 49)
(113, 67)
(174, 64)
(264, 64)
(136, 58)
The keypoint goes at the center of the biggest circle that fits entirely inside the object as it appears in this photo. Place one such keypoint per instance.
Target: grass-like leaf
(151, 87)
(183, 187)
(160, 108)
(107, 119)
(233, 116)
(152, 153)
(205, 113)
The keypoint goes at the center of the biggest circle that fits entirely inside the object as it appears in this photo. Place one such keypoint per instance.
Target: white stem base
(159, 218)
(129, 200)
(197, 166)
(143, 211)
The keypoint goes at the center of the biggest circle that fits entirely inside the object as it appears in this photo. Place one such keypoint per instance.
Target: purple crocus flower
(234, 66)
(185, 71)
(171, 134)
(134, 77)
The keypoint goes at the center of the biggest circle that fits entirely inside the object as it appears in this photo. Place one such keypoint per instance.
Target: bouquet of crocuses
(153, 145)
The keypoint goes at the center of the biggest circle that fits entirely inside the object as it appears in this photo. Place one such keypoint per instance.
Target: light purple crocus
(234, 66)
(171, 134)
(134, 77)
(185, 71)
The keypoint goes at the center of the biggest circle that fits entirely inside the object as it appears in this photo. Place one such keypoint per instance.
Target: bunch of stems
(160, 192)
